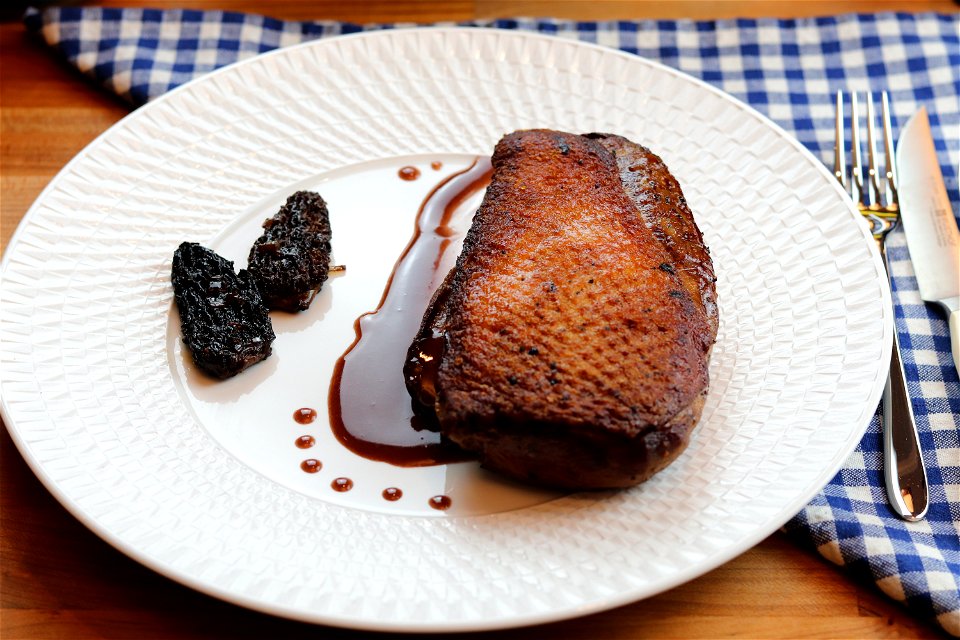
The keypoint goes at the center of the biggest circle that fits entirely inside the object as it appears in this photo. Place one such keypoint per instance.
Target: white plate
(201, 481)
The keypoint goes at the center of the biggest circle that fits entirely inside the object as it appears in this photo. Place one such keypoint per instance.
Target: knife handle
(903, 470)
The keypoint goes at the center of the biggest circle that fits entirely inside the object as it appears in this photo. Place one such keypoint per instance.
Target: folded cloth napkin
(788, 70)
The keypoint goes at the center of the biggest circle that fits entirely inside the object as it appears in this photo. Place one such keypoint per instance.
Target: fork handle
(903, 469)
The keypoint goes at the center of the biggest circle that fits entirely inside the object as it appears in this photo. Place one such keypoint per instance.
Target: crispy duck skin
(291, 260)
(223, 320)
(569, 345)
(664, 209)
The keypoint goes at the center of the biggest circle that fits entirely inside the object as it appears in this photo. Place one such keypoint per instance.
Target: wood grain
(59, 580)
(434, 10)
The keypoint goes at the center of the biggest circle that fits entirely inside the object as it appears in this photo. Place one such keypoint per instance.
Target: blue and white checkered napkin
(787, 69)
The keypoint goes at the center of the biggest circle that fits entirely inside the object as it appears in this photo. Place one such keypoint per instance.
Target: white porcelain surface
(200, 481)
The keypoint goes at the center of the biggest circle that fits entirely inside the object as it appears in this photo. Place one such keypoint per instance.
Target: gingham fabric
(788, 70)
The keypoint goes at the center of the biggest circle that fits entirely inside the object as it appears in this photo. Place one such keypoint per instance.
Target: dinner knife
(927, 218)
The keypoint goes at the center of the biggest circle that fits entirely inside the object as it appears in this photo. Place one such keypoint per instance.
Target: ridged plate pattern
(88, 394)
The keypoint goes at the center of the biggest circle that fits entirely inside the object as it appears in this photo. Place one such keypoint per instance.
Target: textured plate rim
(759, 532)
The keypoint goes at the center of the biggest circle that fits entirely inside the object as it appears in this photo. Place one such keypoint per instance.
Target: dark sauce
(311, 465)
(305, 415)
(371, 412)
(392, 494)
(436, 165)
(440, 503)
(421, 370)
(408, 173)
(305, 442)
(341, 484)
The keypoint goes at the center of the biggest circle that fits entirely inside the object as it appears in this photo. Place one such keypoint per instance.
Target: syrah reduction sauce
(408, 173)
(370, 410)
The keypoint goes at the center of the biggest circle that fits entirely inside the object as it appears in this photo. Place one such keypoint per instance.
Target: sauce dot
(435, 165)
(408, 173)
(305, 415)
(392, 494)
(342, 484)
(311, 465)
(441, 503)
(305, 442)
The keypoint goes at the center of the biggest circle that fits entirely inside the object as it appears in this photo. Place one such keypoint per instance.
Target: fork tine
(857, 186)
(891, 162)
(874, 190)
(839, 151)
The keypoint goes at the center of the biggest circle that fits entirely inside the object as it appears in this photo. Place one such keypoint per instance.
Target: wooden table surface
(59, 580)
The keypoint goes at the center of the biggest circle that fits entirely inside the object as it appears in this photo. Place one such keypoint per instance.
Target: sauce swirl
(440, 503)
(408, 173)
(371, 412)
(305, 442)
(305, 415)
(341, 484)
(311, 465)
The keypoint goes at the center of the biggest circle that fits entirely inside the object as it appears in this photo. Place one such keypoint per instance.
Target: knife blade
(927, 217)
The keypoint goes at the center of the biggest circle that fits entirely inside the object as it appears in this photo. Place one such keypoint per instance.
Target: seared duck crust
(577, 323)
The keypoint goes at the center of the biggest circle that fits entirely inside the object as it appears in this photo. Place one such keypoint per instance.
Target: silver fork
(903, 470)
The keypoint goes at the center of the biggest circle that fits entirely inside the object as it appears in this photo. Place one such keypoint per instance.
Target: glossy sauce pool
(370, 410)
